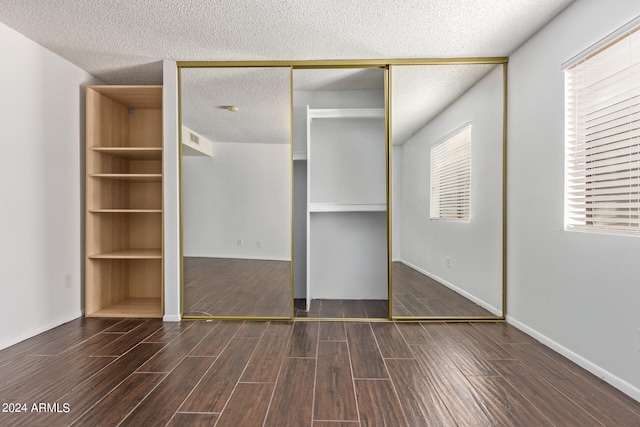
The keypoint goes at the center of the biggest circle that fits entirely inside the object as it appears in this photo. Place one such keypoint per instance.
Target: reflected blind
(602, 94)
(451, 176)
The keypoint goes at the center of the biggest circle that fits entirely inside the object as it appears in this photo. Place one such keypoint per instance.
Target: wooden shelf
(343, 207)
(130, 254)
(129, 176)
(125, 210)
(132, 307)
(137, 97)
(132, 153)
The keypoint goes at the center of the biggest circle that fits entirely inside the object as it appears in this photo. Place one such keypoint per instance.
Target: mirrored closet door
(364, 190)
(236, 192)
(448, 175)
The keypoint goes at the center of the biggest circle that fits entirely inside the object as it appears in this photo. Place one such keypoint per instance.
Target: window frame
(600, 167)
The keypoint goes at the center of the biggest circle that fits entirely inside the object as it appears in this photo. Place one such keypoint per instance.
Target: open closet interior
(340, 193)
(315, 191)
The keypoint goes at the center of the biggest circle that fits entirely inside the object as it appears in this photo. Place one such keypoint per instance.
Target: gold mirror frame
(372, 63)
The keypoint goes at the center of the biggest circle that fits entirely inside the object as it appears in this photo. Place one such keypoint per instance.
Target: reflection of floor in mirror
(415, 294)
(236, 287)
(342, 308)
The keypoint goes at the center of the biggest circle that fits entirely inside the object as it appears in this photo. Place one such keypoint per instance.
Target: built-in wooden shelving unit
(124, 223)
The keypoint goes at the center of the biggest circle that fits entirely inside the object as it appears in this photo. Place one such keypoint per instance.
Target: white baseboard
(261, 258)
(596, 370)
(493, 310)
(33, 332)
(171, 318)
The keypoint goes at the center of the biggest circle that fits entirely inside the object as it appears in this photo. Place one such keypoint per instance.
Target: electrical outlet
(68, 282)
(448, 262)
(259, 243)
(239, 242)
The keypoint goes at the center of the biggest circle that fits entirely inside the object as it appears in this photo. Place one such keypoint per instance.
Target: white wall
(577, 292)
(42, 187)
(241, 193)
(474, 248)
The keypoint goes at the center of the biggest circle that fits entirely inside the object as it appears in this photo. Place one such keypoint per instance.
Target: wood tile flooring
(237, 287)
(343, 308)
(262, 288)
(107, 372)
(415, 294)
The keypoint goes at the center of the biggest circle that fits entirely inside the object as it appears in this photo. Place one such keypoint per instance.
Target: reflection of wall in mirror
(474, 249)
(237, 203)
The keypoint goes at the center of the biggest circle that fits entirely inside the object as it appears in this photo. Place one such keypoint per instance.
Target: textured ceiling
(262, 94)
(124, 42)
(421, 92)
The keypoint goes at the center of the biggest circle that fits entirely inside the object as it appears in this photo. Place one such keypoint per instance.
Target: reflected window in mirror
(449, 266)
(451, 176)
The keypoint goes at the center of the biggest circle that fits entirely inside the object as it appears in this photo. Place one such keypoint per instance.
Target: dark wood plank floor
(237, 287)
(417, 295)
(262, 288)
(343, 309)
(106, 372)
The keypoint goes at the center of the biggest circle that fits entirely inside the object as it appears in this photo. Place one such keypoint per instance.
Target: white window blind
(451, 176)
(602, 182)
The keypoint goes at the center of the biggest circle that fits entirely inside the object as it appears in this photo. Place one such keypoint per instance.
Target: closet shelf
(347, 207)
(130, 254)
(353, 113)
(129, 176)
(132, 153)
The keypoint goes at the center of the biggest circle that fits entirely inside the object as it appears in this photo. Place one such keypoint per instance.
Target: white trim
(171, 318)
(606, 232)
(596, 370)
(171, 197)
(33, 332)
(494, 310)
(452, 133)
(612, 37)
